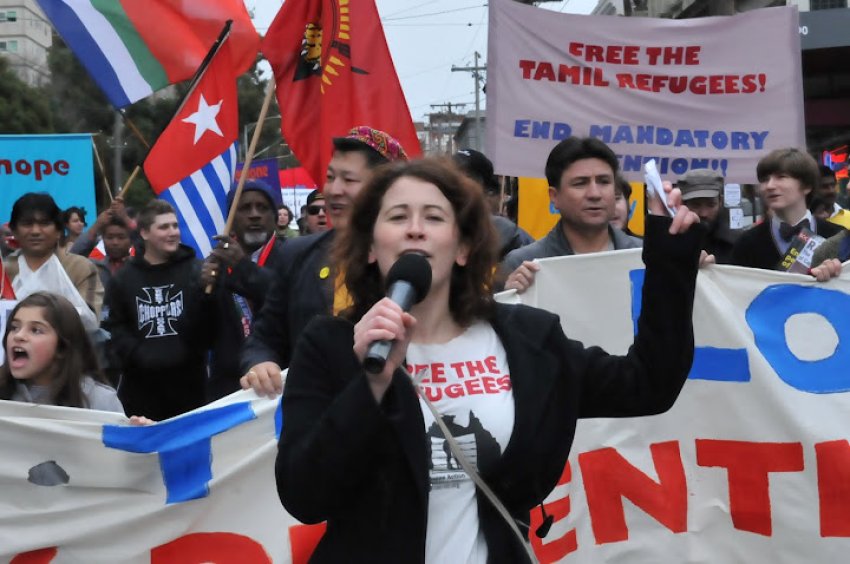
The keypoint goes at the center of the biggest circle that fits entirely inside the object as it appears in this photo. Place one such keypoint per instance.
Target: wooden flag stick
(135, 130)
(129, 181)
(102, 170)
(249, 156)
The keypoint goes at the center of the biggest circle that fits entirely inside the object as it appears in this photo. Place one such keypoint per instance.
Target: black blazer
(363, 467)
(756, 248)
(302, 289)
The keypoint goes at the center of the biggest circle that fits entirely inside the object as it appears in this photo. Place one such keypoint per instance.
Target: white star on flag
(204, 119)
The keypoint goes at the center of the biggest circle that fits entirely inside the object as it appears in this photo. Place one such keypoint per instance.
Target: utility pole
(444, 121)
(475, 70)
(448, 106)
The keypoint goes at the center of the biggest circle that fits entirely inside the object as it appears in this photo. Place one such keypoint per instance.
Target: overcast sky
(425, 39)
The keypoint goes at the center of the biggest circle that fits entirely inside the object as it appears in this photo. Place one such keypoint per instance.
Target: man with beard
(161, 321)
(702, 193)
(827, 191)
(242, 269)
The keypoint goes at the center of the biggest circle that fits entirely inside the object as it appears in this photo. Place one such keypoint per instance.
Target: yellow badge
(325, 272)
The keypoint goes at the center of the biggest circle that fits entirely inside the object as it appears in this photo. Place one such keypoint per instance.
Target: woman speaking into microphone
(440, 453)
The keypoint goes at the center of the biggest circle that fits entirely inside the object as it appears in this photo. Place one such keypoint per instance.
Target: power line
(436, 13)
(564, 5)
(403, 10)
(433, 24)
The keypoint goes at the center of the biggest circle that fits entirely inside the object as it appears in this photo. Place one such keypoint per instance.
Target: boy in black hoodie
(160, 320)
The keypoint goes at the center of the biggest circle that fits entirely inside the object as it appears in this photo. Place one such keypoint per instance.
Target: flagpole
(225, 33)
(134, 129)
(246, 165)
(102, 169)
(129, 181)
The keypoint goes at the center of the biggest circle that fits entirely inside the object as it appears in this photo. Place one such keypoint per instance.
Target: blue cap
(258, 186)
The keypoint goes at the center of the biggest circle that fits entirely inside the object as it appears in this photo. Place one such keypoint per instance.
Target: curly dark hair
(75, 356)
(471, 285)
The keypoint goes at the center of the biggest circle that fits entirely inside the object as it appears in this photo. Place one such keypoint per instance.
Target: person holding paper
(787, 179)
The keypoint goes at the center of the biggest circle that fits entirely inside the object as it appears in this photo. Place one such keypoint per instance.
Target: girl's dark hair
(471, 285)
(67, 214)
(75, 356)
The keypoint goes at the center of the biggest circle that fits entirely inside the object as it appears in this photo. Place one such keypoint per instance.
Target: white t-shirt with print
(468, 382)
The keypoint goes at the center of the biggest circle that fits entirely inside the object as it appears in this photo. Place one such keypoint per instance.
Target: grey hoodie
(100, 396)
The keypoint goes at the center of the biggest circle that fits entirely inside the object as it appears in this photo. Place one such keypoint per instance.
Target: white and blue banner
(752, 464)
(60, 165)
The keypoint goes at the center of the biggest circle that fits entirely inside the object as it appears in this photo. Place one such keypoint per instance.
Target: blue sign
(266, 171)
(60, 165)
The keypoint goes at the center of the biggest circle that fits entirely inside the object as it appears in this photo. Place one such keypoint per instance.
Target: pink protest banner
(716, 92)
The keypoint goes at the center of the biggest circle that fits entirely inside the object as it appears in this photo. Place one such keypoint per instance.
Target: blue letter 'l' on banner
(710, 363)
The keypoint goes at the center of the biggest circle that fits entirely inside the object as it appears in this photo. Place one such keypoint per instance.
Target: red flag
(205, 127)
(133, 48)
(6, 290)
(192, 164)
(334, 71)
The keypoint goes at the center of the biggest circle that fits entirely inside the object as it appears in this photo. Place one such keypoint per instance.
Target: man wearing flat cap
(305, 280)
(702, 191)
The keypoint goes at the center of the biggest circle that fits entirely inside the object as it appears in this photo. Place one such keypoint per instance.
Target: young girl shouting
(49, 358)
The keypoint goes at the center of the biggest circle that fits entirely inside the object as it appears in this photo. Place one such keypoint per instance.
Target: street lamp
(245, 130)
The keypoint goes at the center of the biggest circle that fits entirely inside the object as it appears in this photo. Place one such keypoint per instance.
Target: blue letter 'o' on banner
(766, 317)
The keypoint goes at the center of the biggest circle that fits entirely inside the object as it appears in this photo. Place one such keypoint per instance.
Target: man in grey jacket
(581, 173)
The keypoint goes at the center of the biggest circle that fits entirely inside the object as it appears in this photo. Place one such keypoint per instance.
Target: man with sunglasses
(305, 280)
(317, 219)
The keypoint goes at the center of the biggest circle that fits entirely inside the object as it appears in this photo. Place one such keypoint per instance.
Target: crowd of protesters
(174, 332)
(171, 332)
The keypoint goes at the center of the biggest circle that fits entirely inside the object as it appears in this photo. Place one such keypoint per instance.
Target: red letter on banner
(834, 488)
(222, 548)
(40, 556)
(748, 465)
(555, 549)
(608, 477)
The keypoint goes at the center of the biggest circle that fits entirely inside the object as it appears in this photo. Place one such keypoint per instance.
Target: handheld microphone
(408, 282)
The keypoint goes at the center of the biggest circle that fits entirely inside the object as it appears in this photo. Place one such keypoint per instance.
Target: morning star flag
(132, 48)
(193, 162)
(333, 71)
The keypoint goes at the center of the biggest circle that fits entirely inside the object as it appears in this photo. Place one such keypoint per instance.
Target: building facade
(25, 36)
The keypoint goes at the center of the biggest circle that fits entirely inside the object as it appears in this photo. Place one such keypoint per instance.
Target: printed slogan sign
(714, 92)
(752, 463)
(60, 165)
